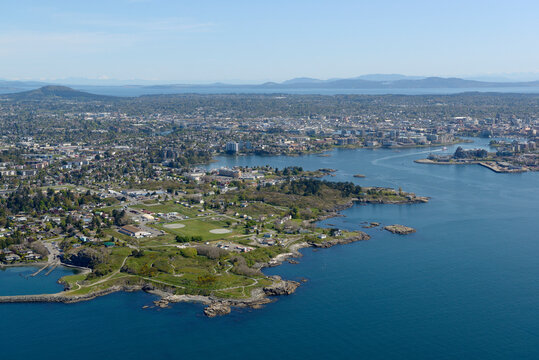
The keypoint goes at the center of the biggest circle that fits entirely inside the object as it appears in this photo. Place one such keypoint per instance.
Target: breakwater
(64, 298)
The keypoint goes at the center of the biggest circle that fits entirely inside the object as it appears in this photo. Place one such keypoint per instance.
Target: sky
(252, 41)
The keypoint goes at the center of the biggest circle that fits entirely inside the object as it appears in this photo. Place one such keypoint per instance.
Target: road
(53, 258)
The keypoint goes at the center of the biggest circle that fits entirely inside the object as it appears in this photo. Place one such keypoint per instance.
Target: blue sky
(246, 41)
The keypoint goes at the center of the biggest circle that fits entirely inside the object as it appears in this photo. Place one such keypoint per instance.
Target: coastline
(216, 306)
(259, 297)
(320, 152)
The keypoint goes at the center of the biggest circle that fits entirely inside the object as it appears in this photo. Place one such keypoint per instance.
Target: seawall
(62, 298)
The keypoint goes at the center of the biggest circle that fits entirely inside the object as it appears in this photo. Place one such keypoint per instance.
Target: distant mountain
(303, 80)
(506, 77)
(369, 77)
(54, 92)
(406, 83)
(377, 83)
(388, 77)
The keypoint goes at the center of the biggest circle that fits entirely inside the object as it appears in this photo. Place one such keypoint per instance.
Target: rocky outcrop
(400, 229)
(281, 288)
(162, 303)
(85, 257)
(408, 200)
(217, 308)
(339, 241)
(371, 225)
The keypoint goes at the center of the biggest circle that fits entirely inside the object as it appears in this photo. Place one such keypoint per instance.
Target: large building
(232, 147)
(234, 173)
(133, 231)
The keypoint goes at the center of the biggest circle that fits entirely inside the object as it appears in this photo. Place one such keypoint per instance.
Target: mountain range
(381, 82)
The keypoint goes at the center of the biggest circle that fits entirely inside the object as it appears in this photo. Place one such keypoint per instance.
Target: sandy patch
(220, 231)
(174, 226)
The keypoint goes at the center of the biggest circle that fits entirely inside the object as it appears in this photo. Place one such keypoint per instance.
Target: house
(32, 256)
(12, 257)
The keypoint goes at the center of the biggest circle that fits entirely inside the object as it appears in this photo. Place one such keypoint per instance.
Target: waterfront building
(232, 147)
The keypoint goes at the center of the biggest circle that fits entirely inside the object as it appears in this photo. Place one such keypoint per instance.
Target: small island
(370, 225)
(400, 229)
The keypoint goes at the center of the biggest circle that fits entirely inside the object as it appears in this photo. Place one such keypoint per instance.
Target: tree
(188, 252)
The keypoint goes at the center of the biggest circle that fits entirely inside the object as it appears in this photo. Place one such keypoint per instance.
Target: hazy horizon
(163, 41)
(517, 77)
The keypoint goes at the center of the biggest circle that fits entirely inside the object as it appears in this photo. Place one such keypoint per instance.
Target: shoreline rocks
(217, 308)
(411, 200)
(281, 288)
(339, 241)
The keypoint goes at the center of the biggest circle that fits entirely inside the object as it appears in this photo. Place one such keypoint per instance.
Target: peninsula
(120, 187)
(203, 241)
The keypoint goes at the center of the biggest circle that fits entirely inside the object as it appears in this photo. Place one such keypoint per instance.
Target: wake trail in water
(375, 162)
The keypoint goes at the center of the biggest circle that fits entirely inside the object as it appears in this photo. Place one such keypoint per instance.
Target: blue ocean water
(17, 280)
(465, 286)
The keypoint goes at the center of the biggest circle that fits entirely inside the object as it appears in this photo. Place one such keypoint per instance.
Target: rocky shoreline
(218, 307)
(338, 241)
(414, 200)
(215, 306)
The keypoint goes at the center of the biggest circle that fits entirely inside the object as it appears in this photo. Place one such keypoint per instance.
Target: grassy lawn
(257, 209)
(157, 241)
(168, 207)
(72, 279)
(190, 280)
(118, 278)
(201, 227)
(118, 255)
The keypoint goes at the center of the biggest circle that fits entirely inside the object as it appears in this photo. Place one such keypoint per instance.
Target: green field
(201, 227)
(257, 209)
(168, 207)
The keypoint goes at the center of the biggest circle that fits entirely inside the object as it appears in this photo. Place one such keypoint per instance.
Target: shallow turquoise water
(464, 286)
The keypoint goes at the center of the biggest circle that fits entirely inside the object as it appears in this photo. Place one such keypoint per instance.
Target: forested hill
(53, 92)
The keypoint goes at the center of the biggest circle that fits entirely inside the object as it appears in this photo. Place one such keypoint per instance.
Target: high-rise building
(232, 147)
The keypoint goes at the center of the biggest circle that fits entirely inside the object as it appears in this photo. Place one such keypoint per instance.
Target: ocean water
(465, 286)
(17, 280)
